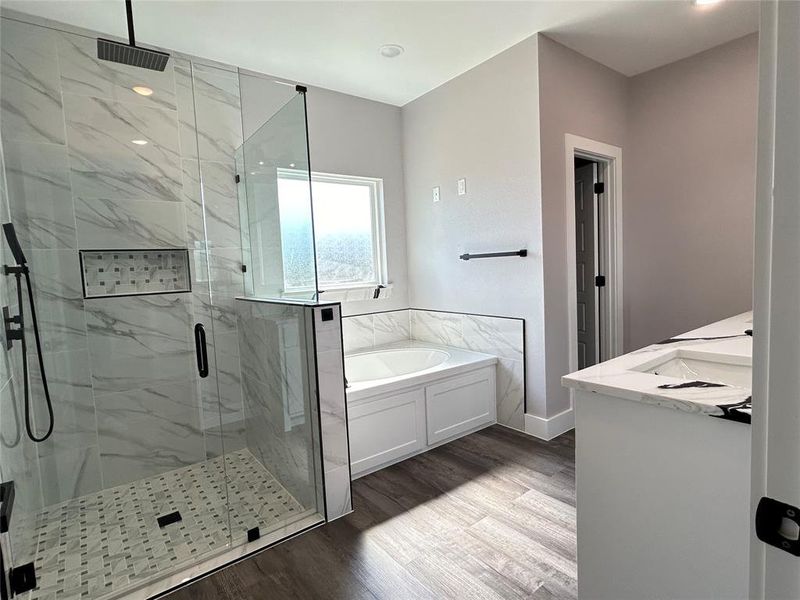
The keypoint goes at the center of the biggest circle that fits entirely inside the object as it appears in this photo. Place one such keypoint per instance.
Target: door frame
(609, 215)
(776, 294)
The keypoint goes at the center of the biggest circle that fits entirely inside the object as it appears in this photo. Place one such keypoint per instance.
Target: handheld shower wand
(21, 270)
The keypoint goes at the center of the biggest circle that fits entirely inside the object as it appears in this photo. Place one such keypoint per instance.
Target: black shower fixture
(131, 54)
(15, 331)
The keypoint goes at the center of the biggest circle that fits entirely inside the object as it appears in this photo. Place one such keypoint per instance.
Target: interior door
(585, 256)
(775, 548)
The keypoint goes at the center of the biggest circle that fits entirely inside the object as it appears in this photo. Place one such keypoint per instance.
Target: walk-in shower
(172, 398)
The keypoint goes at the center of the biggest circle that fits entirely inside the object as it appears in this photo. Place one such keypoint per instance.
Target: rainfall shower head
(131, 54)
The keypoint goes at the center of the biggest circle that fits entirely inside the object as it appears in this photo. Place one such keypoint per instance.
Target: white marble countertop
(618, 377)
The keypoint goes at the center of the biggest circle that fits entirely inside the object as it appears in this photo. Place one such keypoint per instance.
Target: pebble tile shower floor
(101, 544)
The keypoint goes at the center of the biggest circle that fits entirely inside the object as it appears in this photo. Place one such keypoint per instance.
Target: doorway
(594, 250)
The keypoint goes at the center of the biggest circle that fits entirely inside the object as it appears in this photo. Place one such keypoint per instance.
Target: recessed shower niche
(132, 272)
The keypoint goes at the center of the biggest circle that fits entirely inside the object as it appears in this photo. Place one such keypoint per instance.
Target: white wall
(483, 126)
(348, 136)
(690, 189)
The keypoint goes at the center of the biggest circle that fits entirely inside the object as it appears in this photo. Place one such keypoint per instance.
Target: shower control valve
(12, 333)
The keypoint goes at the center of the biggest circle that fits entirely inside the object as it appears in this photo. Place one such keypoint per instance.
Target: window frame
(378, 226)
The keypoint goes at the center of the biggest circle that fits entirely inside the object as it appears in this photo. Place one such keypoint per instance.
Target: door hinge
(600, 281)
(778, 524)
(237, 178)
(599, 188)
(22, 578)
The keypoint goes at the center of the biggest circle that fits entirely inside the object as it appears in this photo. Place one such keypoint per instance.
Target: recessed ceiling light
(142, 90)
(291, 165)
(252, 172)
(139, 142)
(705, 2)
(391, 50)
(261, 162)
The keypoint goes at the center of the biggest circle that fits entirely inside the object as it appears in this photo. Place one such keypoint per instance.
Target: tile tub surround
(503, 337)
(76, 181)
(619, 378)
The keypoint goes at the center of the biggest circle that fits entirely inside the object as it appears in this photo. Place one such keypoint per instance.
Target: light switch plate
(436, 194)
(462, 187)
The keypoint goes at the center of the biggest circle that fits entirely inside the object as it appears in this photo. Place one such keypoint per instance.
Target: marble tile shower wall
(502, 337)
(122, 369)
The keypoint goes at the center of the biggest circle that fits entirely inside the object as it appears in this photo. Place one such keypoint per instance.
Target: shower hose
(28, 421)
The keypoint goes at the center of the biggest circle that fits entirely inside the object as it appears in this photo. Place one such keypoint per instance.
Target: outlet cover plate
(462, 187)
(436, 194)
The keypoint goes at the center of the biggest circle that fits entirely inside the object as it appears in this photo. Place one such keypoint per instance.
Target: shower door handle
(201, 349)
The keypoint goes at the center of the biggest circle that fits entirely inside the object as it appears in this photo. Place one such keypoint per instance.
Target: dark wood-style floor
(491, 515)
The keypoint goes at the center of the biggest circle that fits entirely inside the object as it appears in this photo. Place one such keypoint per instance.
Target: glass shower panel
(282, 454)
(103, 186)
(281, 427)
(275, 206)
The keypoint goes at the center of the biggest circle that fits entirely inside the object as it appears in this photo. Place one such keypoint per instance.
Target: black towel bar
(522, 252)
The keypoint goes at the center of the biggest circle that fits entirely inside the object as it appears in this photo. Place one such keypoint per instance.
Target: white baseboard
(547, 429)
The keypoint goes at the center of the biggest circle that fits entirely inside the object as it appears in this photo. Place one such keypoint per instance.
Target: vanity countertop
(629, 376)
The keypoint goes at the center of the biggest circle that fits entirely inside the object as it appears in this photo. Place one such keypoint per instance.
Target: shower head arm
(129, 13)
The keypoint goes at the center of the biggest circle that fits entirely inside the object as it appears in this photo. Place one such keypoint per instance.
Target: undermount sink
(692, 365)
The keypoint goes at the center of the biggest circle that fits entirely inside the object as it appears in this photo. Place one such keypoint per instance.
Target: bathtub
(406, 398)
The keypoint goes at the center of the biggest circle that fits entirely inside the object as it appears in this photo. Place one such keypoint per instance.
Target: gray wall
(688, 136)
(348, 136)
(695, 117)
(689, 192)
(483, 126)
(582, 97)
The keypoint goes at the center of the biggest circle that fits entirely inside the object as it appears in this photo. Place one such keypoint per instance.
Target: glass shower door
(103, 187)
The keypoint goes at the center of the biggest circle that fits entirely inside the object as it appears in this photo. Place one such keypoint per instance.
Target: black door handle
(200, 349)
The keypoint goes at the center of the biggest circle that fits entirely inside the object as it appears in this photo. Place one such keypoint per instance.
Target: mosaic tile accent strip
(102, 545)
(133, 272)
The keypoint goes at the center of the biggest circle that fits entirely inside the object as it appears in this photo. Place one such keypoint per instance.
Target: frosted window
(347, 228)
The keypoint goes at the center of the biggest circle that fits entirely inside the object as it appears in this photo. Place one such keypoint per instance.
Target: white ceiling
(335, 44)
